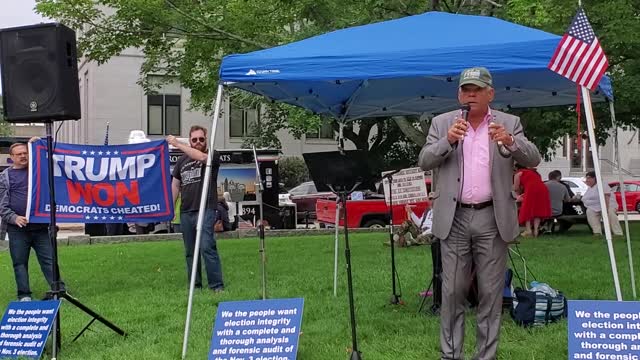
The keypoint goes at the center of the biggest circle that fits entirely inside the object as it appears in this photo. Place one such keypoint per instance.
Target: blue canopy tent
(407, 66)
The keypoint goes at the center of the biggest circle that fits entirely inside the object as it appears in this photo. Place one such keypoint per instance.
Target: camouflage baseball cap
(479, 76)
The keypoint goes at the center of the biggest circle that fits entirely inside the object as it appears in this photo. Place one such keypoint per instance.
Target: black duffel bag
(537, 308)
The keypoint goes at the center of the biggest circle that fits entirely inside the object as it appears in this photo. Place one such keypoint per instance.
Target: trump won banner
(105, 184)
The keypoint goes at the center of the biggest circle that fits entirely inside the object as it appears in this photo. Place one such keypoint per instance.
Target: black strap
(547, 313)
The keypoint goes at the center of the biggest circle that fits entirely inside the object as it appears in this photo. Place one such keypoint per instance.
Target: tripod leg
(83, 330)
(56, 339)
(424, 299)
(355, 353)
(92, 313)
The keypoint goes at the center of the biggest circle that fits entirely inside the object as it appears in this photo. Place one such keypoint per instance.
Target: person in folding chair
(474, 209)
(415, 230)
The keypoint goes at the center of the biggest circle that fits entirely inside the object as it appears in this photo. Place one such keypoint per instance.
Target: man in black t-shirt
(188, 176)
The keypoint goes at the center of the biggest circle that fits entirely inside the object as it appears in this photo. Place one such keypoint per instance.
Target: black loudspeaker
(39, 66)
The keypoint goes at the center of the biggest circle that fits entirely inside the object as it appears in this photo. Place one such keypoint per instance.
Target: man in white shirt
(591, 201)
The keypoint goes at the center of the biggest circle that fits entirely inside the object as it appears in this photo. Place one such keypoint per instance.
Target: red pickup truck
(370, 212)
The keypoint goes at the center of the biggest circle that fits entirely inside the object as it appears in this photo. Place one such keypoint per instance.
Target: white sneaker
(26, 298)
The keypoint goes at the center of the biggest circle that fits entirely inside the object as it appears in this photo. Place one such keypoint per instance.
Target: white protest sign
(408, 186)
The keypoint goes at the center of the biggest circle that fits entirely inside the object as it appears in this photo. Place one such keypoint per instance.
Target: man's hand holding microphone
(458, 130)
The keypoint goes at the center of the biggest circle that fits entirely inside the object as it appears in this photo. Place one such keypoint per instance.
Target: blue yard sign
(600, 330)
(25, 327)
(257, 330)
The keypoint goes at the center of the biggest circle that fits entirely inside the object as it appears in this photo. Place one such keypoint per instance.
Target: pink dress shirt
(476, 187)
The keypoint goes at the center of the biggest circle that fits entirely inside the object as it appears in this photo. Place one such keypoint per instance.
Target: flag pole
(586, 97)
(624, 198)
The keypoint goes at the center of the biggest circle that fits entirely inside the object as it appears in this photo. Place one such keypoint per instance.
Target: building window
(325, 131)
(242, 121)
(163, 106)
(163, 115)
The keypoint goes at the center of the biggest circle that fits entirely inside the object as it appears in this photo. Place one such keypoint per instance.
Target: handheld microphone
(464, 108)
(465, 111)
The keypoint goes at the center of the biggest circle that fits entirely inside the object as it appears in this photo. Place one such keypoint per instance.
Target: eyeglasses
(198, 139)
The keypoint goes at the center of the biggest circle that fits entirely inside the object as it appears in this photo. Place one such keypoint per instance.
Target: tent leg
(586, 96)
(335, 252)
(624, 198)
(201, 210)
(263, 254)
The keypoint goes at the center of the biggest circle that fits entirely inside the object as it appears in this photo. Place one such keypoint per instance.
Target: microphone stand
(259, 190)
(342, 192)
(395, 298)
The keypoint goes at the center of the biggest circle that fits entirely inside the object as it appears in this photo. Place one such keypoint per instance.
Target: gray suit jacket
(438, 155)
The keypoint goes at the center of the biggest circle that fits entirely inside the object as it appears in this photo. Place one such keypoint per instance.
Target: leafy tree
(187, 39)
(616, 25)
(293, 171)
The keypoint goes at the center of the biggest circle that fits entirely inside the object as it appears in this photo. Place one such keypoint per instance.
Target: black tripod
(436, 281)
(346, 173)
(58, 290)
(342, 192)
(395, 297)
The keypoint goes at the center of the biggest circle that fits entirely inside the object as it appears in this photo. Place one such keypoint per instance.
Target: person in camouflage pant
(415, 230)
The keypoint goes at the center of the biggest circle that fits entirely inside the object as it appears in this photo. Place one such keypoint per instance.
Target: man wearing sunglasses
(188, 175)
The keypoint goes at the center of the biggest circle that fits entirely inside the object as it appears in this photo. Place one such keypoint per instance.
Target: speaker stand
(58, 290)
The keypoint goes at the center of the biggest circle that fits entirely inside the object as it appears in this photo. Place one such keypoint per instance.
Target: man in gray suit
(474, 209)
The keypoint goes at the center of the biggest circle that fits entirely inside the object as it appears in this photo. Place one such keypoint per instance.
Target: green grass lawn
(142, 287)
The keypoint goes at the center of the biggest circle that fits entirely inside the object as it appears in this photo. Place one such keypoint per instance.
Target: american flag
(579, 56)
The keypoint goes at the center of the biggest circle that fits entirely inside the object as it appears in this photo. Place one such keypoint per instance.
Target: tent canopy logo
(262, 72)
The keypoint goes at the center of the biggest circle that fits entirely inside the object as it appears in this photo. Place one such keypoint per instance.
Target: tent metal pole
(335, 251)
(201, 210)
(263, 254)
(624, 198)
(586, 96)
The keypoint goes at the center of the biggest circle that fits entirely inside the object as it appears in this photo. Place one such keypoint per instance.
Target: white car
(577, 185)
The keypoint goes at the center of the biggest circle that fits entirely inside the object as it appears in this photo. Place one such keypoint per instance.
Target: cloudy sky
(17, 13)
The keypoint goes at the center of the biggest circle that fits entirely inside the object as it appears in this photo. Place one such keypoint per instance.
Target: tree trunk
(409, 130)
